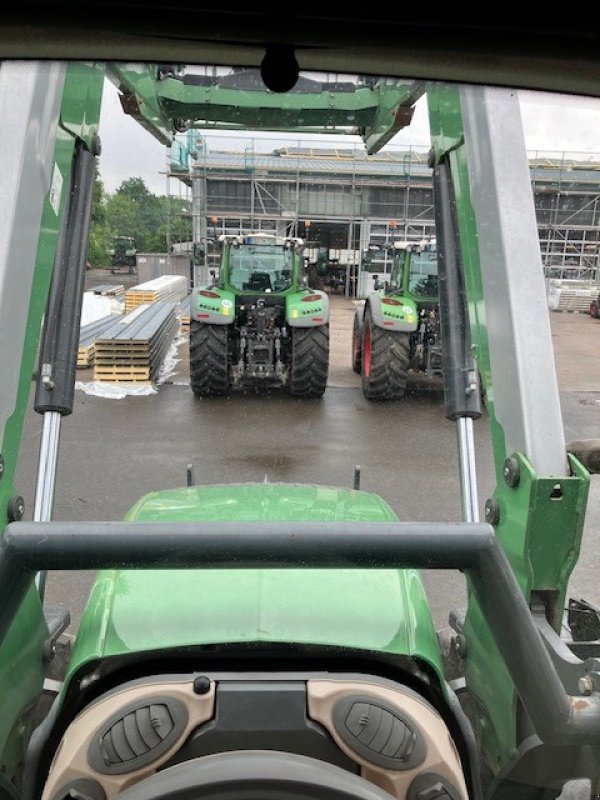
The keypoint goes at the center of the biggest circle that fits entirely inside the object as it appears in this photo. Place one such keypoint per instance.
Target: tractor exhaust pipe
(461, 380)
(58, 353)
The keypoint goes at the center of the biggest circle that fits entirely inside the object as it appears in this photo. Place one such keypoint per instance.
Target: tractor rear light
(203, 316)
(317, 319)
(311, 298)
(389, 301)
(207, 293)
(388, 323)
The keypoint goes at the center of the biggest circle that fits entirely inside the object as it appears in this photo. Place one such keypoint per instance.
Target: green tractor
(398, 328)
(260, 324)
(123, 254)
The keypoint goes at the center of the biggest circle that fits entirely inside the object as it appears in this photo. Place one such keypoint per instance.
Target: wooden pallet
(85, 357)
(184, 315)
(109, 290)
(87, 340)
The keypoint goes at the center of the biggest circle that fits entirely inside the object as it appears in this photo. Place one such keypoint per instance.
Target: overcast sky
(550, 122)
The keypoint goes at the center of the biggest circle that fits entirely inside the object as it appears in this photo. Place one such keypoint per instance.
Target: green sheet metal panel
(383, 610)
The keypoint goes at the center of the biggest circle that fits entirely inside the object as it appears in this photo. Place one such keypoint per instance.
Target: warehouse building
(342, 202)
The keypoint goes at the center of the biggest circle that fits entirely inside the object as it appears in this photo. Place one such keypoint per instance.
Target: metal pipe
(557, 717)
(467, 469)
(46, 475)
(46, 479)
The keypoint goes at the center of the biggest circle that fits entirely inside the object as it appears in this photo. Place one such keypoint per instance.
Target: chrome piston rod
(46, 477)
(467, 470)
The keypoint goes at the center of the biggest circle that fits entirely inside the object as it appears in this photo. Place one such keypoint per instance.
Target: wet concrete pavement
(113, 452)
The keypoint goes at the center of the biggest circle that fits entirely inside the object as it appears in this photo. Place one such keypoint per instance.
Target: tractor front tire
(385, 361)
(310, 361)
(356, 346)
(209, 359)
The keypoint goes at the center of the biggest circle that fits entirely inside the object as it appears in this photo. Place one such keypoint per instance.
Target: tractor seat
(259, 282)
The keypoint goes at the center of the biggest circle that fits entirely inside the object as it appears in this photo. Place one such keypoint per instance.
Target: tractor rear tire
(209, 359)
(310, 361)
(356, 346)
(385, 361)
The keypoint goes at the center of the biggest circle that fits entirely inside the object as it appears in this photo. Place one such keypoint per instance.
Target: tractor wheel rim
(367, 352)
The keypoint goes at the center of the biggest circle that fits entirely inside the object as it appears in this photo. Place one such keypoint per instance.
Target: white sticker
(56, 189)
(226, 303)
(407, 309)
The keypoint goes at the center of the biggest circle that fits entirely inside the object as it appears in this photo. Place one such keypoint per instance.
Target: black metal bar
(243, 545)
(558, 718)
(58, 354)
(461, 379)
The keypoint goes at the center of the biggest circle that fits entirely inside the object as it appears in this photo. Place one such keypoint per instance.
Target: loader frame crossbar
(472, 548)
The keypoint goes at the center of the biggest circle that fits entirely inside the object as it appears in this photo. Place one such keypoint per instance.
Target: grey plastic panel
(379, 732)
(30, 99)
(80, 789)
(137, 735)
(398, 325)
(526, 397)
(263, 715)
(431, 786)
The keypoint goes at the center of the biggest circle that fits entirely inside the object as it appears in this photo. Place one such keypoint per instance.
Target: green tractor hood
(133, 611)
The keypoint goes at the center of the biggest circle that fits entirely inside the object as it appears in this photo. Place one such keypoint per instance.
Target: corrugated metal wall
(153, 265)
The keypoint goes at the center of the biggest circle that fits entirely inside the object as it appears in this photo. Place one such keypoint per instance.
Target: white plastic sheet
(169, 366)
(114, 391)
(96, 306)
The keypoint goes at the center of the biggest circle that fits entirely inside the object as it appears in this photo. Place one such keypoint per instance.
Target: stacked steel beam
(87, 339)
(166, 289)
(133, 349)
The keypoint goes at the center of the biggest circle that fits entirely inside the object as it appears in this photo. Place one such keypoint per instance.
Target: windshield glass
(203, 382)
(422, 276)
(260, 268)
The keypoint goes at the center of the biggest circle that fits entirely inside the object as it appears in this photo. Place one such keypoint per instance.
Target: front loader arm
(46, 109)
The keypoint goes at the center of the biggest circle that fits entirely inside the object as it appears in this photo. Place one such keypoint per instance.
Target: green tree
(100, 236)
(132, 210)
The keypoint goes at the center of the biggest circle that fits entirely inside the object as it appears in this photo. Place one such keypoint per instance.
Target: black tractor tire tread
(356, 356)
(310, 361)
(209, 359)
(389, 363)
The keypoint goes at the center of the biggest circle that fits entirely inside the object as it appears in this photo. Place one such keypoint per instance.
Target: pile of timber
(87, 338)
(166, 289)
(184, 315)
(109, 290)
(133, 349)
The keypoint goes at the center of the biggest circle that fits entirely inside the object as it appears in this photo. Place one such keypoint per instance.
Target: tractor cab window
(423, 278)
(260, 268)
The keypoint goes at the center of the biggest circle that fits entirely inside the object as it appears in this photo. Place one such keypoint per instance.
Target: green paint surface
(382, 610)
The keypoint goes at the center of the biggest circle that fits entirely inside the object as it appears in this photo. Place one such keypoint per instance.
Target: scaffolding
(342, 199)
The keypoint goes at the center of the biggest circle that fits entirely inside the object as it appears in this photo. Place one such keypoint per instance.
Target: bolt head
(492, 511)
(16, 509)
(511, 472)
